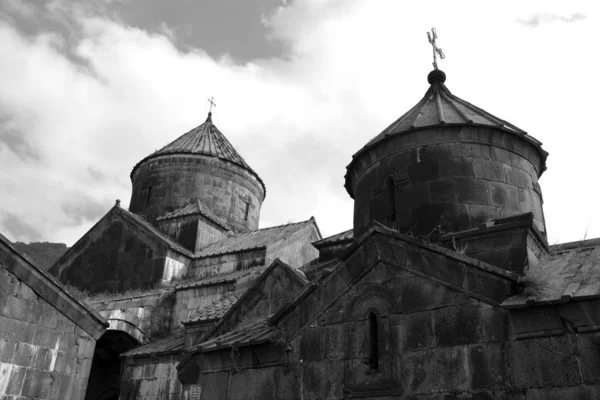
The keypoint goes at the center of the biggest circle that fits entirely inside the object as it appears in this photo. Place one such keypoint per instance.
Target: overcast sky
(89, 88)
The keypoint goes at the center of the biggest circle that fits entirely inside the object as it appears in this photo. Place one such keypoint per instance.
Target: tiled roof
(571, 270)
(156, 232)
(205, 139)
(223, 278)
(253, 240)
(215, 310)
(256, 332)
(195, 207)
(170, 344)
(340, 237)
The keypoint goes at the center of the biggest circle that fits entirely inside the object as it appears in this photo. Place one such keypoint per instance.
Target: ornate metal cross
(432, 36)
(212, 103)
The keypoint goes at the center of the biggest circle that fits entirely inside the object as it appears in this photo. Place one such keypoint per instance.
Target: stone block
(500, 155)
(311, 344)
(418, 294)
(37, 384)
(438, 370)
(472, 191)
(486, 285)
(12, 380)
(417, 331)
(457, 325)
(536, 319)
(541, 362)
(504, 195)
(214, 385)
(461, 166)
(442, 190)
(494, 324)
(588, 346)
(437, 266)
(335, 341)
(487, 366)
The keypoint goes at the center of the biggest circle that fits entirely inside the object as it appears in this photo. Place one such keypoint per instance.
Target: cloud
(16, 140)
(547, 18)
(91, 94)
(80, 209)
(18, 228)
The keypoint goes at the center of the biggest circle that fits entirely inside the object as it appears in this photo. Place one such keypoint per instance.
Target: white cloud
(354, 67)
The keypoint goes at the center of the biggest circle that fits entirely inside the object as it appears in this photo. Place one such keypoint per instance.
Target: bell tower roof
(205, 139)
(439, 107)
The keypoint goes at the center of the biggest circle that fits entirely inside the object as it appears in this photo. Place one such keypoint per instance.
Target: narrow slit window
(149, 193)
(373, 342)
(391, 193)
(247, 211)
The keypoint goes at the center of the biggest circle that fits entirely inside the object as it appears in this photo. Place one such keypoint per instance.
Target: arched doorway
(105, 374)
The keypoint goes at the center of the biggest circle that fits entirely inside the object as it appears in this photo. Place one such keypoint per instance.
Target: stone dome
(445, 164)
(199, 165)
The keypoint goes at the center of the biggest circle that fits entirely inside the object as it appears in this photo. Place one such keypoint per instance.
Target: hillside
(43, 254)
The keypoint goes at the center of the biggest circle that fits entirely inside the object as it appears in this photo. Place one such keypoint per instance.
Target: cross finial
(212, 103)
(432, 36)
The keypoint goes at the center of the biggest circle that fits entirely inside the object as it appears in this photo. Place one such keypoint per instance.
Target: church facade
(444, 288)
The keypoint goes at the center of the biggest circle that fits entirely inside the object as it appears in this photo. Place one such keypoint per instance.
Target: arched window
(246, 211)
(391, 193)
(373, 342)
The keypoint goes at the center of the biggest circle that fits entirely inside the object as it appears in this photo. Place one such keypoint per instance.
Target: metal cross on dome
(432, 36)
(212, 103)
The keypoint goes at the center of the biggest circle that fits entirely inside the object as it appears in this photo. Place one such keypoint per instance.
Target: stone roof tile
(193, 208)
(170, 344)
(256, 332)
(214, 311)
(254, 239)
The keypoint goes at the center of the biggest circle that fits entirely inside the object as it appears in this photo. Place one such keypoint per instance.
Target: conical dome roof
(205, 139)
(439, 107)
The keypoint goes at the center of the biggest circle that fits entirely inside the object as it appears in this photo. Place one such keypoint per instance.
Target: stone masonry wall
(150, 378)
(43, 354)
(114, 257)
(454, 177)
(166, 183)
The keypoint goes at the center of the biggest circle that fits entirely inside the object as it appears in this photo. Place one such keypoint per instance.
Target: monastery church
(444, 288)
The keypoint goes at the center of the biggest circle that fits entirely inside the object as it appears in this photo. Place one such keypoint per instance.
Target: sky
(89, 88)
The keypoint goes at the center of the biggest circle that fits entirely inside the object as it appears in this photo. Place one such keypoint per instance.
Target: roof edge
(52, 291)
(199, 155)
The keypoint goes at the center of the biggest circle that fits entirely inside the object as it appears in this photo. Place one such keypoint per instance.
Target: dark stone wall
(193, 231)
(455, 177)
(114, 258)
(165, 183)
(434, 340)
(43, 354)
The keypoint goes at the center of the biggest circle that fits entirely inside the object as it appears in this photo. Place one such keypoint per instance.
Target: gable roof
(255, 239)
(571, 271)
(170, 344)
(194, 208)
(294, 274)
(51, 290)
(131, 218)
(346, 236)
(458, 272)
(154, 231)
(257, 332)
(205, 139)
(213, 311)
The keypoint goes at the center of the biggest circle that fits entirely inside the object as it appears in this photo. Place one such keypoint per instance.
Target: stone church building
(444, 288)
